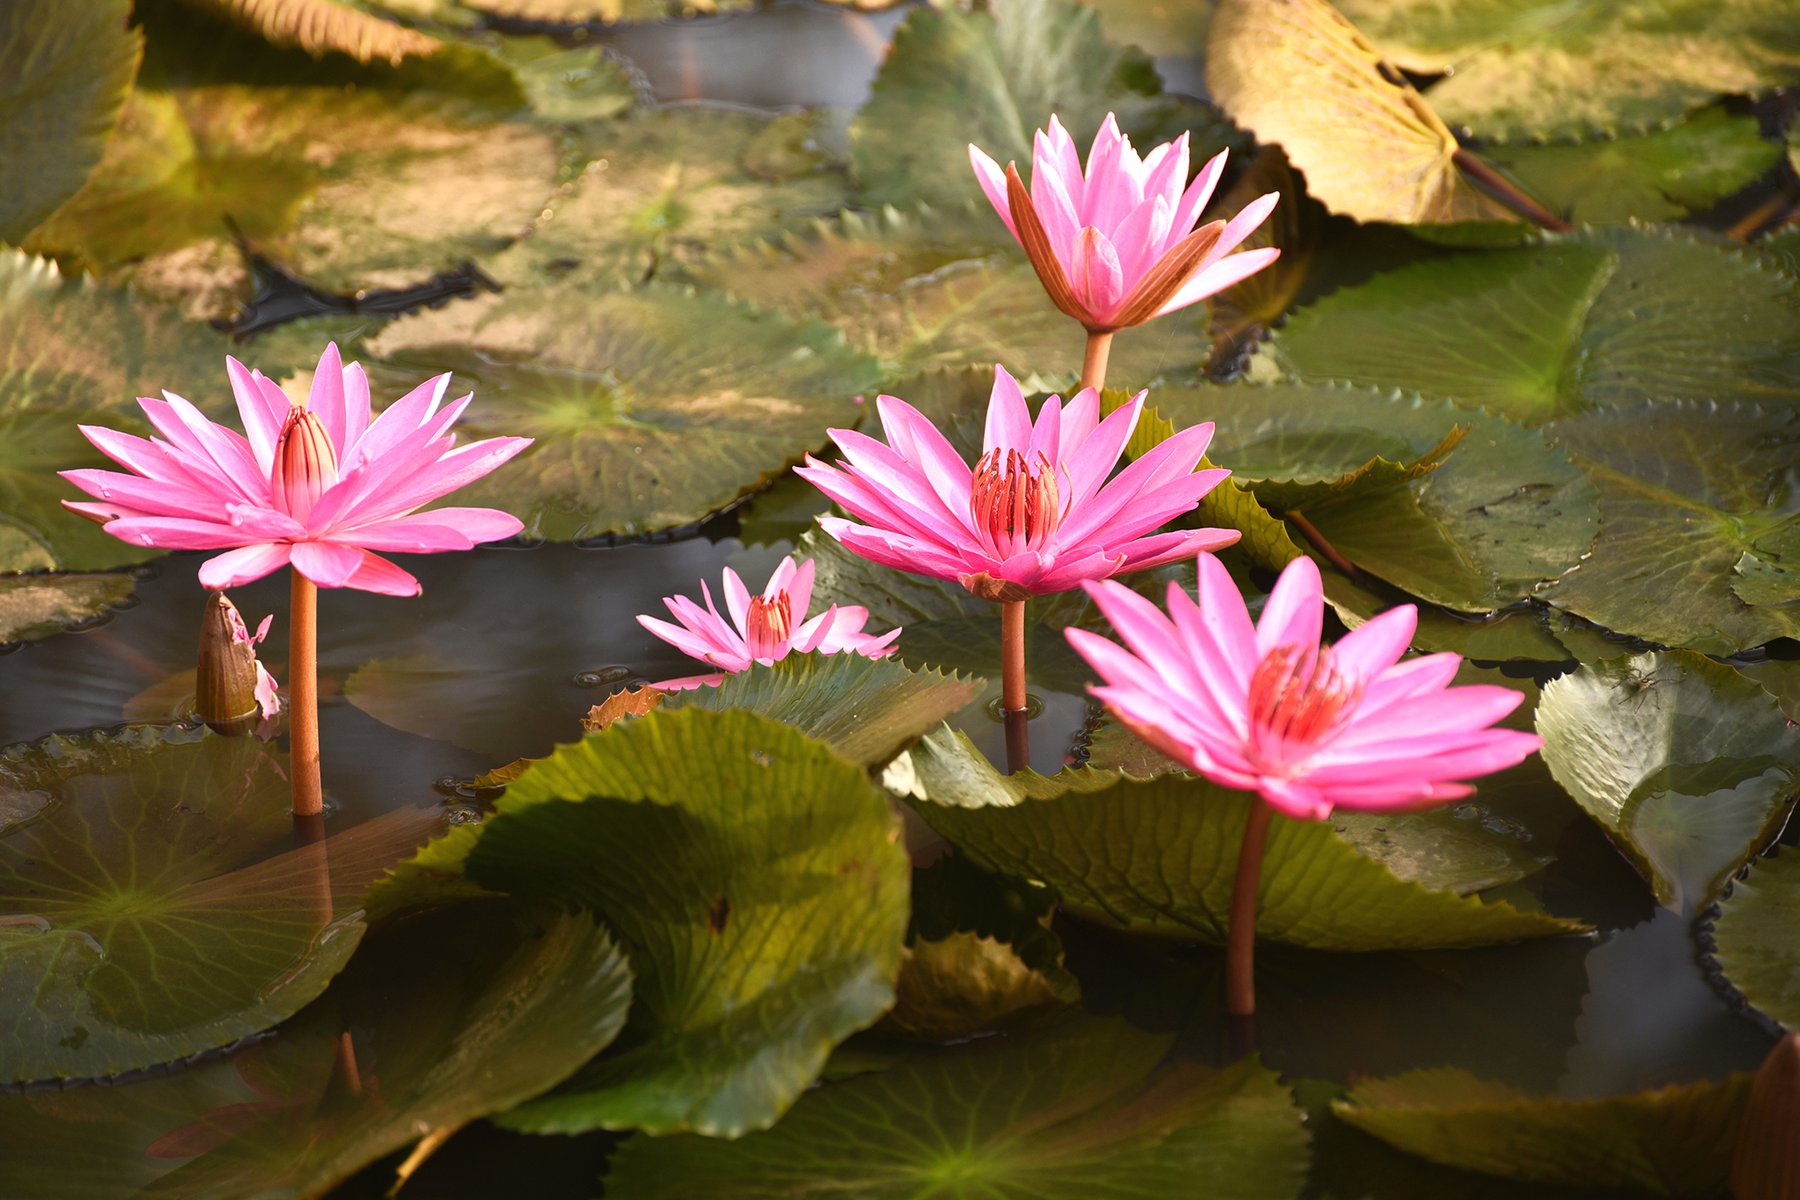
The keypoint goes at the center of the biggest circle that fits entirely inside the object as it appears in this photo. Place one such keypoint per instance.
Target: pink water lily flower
(1036, 514)
(762, 629)
(1267, 709)
(316, 483)
(1116, 245)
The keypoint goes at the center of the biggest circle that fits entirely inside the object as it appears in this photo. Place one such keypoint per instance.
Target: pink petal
(1193, 201)
(1095, 275)
(1220, 275)
(1293, 614)
(737, 601)
(356, 404)
(993, 183)
(326, 563)
(238, 567)
(327, 398)
(377, 574)
(798, 584)
(262, 422)
(1375, 645)
(1296, 800)
(434, 530)
(1008, 420)
(176, 533)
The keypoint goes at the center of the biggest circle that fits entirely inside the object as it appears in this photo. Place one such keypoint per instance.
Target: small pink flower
(268, 692)
(318, 484)
(762, 628)
(1037, 513)
(1117, 246)
(1268, 709)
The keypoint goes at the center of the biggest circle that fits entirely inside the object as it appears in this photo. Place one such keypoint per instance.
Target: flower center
(1014, 502)
(767, 625)
(1296, 697)
(305, 462)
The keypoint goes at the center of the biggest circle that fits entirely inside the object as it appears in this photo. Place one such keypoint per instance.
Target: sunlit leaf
(750, 874)
(1696, 501)
(38, 606)
(1579, 321)
(1243, 314)
(605, 12)
(321, 26)
(154, 905)
(64, 75)
(1296, 73)
(1169, 848)
(446, 1018)
(1753, 937)
(651, 408)
(1078, 1111)
(1672, 1142)
(1690, 768)
(569, 84)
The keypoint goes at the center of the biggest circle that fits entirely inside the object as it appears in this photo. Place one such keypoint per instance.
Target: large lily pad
(1078, 1111)
(414, 1039)
(1691, 768)
(1672, 1142)
(651, 408)
(1590, 319)
(38, 606)
(991, 77)
(1158, 857)
(921, 291)
(751, 875)
(1295, 72)
(1460, 508)
(153, 906)
(64, 75)
(1753, 938)
(1521, 69)
(1699, 513)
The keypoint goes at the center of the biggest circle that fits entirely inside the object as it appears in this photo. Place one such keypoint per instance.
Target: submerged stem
(1507, 192)
(1318, 541)
(1240, 936)
(1013, 702)
(303, 689)
(1093, 363)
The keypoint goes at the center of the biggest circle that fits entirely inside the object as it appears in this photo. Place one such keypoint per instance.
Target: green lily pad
(1689, 767)
(64, 76)
(1585, 320)
(445, 1018)
(568, 85)
(991, 77)
(1658, 176)
(866, 709)
(1782, 248)
(1520, 69)
(1753, 938)
(154, 908)
(41, 606)
(1696, 503)
(1781, 679)
(662, 187)
(923, 292)
(1084, 1110)
(1673, 1142)
(750, 874)
(1169, 847)
(1470, 522)
(651, 408)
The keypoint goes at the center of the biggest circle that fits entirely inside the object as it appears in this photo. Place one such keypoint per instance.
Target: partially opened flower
(1116, 245)
(762, 629)
(1308, 728)
(233, 691)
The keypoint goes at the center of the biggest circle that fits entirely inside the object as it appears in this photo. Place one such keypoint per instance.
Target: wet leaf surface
(41, 606)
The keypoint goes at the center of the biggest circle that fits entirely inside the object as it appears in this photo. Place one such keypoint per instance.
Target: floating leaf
(153, 908)
(601, 12)
(1696, 500)
(64, 75)
(992, 76)
(920, 292)
(1519, 69)
(321, 26)
(1672, 1142)
(1170, 846)
(1080, 1111)
(750, 874)
(39, 606)
(569, 85)
(1782, 248)
(1585, 320)
(1295, 72)
(1243, 313)
(651, 408)
(1753, 938)
(1691, 768)
(444, 1019)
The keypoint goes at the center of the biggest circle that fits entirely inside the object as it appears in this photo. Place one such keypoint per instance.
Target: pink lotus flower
(1268, 709)
(1037, 514)
(1117, 246)
(317, 484)
(762, 628)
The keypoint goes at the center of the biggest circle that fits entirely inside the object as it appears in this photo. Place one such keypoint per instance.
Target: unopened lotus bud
(1766, 1162)
(232, 691)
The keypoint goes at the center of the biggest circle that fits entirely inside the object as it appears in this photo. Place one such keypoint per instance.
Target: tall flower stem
(1093, 363)
(303, 686)
(1240, 938)
(1013, 704)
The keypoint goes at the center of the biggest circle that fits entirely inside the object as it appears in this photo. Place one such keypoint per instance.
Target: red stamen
(768, 624)
(305, 462)
(1296, 697)
(1015, 504)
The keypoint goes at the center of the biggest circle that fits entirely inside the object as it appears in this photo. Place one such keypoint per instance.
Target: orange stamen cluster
(305, 462)
(1296, 697)
(1014, 503)
(768, 624)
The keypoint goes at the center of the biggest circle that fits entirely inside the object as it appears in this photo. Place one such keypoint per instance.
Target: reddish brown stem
(1240, 937)
(1013, 702)
(303, 694)
(1318, 542)
(1507, 192)
(1093, 363)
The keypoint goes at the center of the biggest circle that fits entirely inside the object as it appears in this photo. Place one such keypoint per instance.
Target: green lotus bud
(233, 692)
(1766, 1162)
